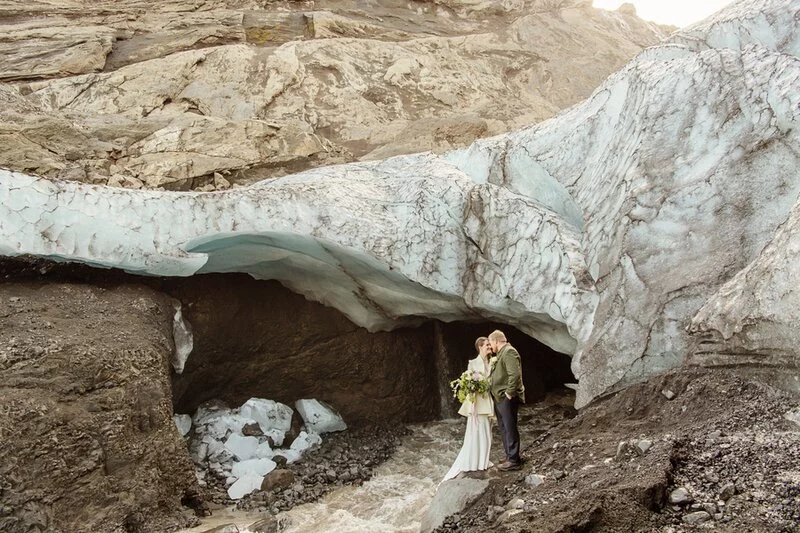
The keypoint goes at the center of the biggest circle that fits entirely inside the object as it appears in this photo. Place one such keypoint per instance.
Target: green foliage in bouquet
(469, 384)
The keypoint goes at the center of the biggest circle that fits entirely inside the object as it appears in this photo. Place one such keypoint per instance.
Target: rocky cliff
(188, 95)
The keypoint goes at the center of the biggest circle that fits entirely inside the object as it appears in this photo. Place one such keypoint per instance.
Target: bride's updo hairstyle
(479, 342)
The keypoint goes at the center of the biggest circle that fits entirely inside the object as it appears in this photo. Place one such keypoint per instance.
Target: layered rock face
(88, 440)
(188, 95)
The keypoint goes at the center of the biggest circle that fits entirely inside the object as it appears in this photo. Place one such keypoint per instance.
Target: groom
(508, 392)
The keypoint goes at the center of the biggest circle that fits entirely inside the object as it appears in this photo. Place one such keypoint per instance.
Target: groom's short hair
(479, 342)
(497, 336)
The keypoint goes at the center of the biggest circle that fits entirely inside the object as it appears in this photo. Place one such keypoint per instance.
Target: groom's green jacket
(506, 374)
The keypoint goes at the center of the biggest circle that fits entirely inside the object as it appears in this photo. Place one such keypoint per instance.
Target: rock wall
(257, 339)
(87, 440)
(204, 95)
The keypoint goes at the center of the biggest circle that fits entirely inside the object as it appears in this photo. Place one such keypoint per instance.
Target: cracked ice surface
(384, 242)
(754, 315)
(683, 165)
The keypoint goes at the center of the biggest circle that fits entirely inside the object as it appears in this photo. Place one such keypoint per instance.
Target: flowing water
(396, 497)
(392, 501)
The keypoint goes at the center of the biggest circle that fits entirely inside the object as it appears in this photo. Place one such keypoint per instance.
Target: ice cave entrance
(255, 338)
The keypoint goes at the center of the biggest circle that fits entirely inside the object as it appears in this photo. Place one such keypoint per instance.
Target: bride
(474, 454)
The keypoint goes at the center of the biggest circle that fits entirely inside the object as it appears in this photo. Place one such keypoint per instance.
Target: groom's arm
(514, 369)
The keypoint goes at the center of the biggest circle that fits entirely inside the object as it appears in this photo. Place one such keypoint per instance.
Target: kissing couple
(491, 388)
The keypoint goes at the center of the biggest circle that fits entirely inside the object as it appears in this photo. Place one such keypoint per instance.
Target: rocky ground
(344, 458)
(692, 450)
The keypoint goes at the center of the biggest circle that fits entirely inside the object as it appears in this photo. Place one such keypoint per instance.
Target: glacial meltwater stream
(393, 501)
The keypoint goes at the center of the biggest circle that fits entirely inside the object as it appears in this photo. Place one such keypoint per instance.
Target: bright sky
(675, 12)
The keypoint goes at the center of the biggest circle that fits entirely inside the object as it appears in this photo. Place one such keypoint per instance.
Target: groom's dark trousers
(506, 411)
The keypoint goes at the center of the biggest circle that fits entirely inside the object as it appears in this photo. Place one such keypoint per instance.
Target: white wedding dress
(474, 454)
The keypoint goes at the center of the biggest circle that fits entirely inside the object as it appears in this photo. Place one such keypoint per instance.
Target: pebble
(643, 446)
(534, 480)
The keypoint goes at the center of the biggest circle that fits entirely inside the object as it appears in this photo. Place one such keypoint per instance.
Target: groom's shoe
(508, 465)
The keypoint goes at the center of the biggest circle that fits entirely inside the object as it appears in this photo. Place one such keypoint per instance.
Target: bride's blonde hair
(479, 342)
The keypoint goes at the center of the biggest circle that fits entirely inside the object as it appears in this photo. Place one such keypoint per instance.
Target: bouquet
(469, 384)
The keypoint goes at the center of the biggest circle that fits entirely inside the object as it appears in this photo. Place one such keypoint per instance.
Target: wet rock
(280, 479)
(225, 528)
(268, 524)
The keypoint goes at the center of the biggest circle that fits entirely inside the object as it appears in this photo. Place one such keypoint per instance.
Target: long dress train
(474, 454)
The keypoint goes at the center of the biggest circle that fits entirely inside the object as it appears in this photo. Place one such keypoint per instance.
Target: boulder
(452, 496)
(279, 478)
